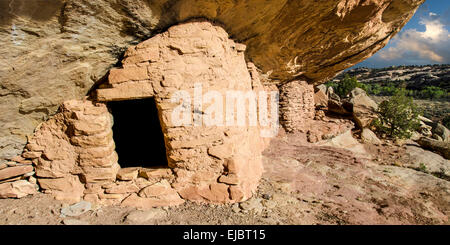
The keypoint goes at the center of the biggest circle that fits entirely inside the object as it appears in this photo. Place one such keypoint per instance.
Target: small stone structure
(74, 152)
(296, 105)
(298, 113)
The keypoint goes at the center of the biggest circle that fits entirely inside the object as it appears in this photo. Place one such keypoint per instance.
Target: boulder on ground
(76, 209)
(335, 106)
(441, 147)
(364, 108)
(358, 104)
(424, 128)
(321, 87)
(17, 189)
(367, 136)
(320, 99)
(441, 131)
(427, 161)
(346, 141)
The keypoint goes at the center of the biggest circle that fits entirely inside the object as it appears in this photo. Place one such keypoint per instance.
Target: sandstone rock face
(16, 179)
(56, 50)
(363, 107)
(367, 136)
(440, 147)
(321, 99)
(428, 161)
(441, 131)
(358, 105)
(17, 189)
(346, 141)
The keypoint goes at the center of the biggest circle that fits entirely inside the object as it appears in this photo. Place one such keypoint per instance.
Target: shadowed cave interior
(137, 133)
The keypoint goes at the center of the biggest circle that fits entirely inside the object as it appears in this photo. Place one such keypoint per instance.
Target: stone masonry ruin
(76, 151)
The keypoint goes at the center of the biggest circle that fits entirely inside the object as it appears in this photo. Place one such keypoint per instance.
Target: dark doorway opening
(137, 133)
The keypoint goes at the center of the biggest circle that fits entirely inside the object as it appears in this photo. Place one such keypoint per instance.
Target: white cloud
(429, 46)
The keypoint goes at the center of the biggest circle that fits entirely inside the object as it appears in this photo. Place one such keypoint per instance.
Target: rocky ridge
(415, 77)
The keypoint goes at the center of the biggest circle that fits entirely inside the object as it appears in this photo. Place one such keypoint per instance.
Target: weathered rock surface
(127, 173)
(56, 50)
(358, 105)
(427, 161)
(441, 147)
(441, 131)
(13, 180)
(368, 136)
(338, 107)
(76, 209)
(140, 216)
(17, 189)
(321, 99)
(346, 141)
(350, 190)
(363, 107)
(15, 171)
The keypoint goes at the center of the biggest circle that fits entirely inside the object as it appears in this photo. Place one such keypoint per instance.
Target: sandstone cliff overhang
(58, 49)
(315, 39)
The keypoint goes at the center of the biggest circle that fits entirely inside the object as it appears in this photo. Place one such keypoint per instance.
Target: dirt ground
(302, 184)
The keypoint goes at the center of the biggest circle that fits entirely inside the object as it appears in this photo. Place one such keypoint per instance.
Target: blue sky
(424, 40)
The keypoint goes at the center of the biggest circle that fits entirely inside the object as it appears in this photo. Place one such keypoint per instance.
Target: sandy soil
(302, 184)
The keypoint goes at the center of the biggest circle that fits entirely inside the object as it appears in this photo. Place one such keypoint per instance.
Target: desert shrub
(398, 116)
(423, 167)
(390, 88)
(346, 85)
(374, 89)
(432, 92)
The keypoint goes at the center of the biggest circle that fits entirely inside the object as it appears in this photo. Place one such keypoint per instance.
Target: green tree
(346, 85)
(398, 116)
(375, 89)
(432, 92)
